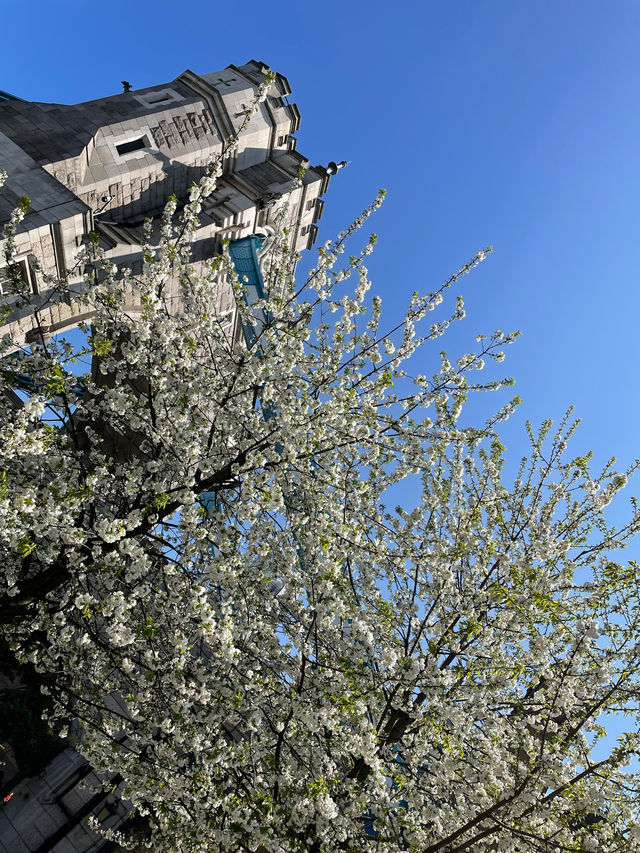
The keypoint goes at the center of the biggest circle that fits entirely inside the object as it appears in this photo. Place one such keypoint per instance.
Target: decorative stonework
(106, 165)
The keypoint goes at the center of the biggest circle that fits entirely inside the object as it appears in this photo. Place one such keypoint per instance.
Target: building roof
(7, 96)
(53, 132)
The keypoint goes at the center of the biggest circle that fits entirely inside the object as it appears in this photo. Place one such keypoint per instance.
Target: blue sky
(512, 124)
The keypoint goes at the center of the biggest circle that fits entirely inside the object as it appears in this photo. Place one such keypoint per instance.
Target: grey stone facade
(106, 165)
(47, 813)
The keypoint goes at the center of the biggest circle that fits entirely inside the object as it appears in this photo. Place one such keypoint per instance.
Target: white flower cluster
(200, 558)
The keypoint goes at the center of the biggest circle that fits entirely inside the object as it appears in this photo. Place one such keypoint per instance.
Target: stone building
(103, 167)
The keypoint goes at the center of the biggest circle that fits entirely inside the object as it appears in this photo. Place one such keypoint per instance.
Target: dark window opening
(21, 268)
(157, 99)
(132, 145)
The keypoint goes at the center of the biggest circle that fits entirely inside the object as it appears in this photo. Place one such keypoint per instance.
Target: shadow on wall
(176, 178)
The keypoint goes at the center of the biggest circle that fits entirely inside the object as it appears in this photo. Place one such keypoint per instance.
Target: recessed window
(225, 319)
(132, 145)
(164, 96)
(22, 269)
(282, 140)
(311, 204)
(159, 98)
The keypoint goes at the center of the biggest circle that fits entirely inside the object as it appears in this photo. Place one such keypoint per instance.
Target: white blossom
(203, 553)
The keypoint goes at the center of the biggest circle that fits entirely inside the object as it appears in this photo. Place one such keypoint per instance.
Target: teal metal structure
(244, 254)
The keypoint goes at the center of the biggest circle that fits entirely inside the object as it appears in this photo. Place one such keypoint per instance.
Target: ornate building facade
(105, 165)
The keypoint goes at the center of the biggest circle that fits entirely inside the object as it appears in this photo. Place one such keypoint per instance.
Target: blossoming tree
(198, 560)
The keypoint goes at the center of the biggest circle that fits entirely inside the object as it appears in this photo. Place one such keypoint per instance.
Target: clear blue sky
(511, 123)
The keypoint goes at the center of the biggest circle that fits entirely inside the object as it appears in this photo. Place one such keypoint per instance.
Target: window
(311, 204)
(159, 97)
(132, 145)
(164, 96)
(21, 267)
(282, 140)
(225, 319)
